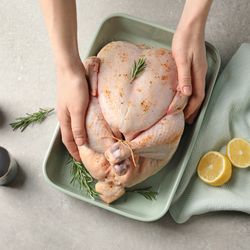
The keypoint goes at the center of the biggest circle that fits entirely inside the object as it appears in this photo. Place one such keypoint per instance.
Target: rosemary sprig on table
(82, 177)
(23, 122)
(138, 67)
(146, 192)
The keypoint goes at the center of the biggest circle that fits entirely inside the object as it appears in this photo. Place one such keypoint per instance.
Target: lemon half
(214, 168)
(238, 151)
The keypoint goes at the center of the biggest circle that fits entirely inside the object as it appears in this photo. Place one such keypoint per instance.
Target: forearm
(195, 14)
(60, 18)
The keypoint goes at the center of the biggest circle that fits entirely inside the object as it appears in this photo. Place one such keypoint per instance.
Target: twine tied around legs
(125, 143)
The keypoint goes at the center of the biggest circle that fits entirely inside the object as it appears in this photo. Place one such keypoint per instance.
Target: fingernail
(187, 90)
(79, 141)
(94, 93)
(169, 111)
(77, 158)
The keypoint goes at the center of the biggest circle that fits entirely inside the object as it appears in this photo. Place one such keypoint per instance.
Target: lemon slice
(238, 151)
(214, 168)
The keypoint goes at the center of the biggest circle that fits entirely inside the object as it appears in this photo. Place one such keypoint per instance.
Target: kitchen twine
(125, 143)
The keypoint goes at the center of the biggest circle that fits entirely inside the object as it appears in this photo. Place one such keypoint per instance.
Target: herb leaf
(85, 181)
(23, 122)
(82, 177)
(146, 192)
(138, 67)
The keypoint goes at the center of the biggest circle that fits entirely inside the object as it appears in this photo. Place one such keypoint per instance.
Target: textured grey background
(35, 216)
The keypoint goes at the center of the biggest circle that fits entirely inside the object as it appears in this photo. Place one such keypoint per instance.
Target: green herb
(85, 181)
(138, 67)
(23, 122)
(147, 192)
(82, 177)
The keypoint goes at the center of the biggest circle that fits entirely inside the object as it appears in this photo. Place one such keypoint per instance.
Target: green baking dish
(124, 27)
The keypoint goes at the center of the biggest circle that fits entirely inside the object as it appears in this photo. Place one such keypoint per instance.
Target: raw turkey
(133, 125)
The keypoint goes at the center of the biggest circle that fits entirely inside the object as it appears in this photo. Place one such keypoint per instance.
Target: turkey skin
(133, 124)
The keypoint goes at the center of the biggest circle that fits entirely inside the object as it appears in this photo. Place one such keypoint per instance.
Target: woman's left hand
(189, 52)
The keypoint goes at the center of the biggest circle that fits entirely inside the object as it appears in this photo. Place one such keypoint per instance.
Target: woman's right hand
(72, 104)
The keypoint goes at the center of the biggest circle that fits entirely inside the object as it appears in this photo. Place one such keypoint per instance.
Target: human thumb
(184, 78)
(78, 128)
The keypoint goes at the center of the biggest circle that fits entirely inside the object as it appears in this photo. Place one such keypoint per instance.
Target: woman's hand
(189, 52)
(190, 55)
(72, 103)
(72, 87)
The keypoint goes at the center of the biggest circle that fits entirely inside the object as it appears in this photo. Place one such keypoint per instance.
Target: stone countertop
(33, 215)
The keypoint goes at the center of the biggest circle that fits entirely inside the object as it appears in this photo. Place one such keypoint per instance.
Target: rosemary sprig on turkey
(82, 177)
(86, 182)
(138, 67)
(37, 117)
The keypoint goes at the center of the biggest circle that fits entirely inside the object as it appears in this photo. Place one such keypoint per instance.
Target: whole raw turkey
(134, 125)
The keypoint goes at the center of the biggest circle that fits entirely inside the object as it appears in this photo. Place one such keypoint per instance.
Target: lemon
(214, 168)
(238, 151)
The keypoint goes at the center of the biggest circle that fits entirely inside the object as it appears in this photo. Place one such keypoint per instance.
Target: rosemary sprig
(23, 122)
(85, 181)
(146, 192)
(82, 177)
(138, 67)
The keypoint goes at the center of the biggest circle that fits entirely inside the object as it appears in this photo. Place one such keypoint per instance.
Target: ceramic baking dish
(127, 28)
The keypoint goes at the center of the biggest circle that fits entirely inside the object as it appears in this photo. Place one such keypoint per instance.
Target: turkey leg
(157, 142)
(98, 131)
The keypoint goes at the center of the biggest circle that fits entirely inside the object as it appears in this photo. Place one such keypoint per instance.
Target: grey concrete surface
(33, 215)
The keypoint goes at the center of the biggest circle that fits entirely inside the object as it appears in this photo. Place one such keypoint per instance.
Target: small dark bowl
(8, 167)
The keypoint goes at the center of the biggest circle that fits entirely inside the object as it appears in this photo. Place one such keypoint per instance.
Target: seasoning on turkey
(133, 128)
